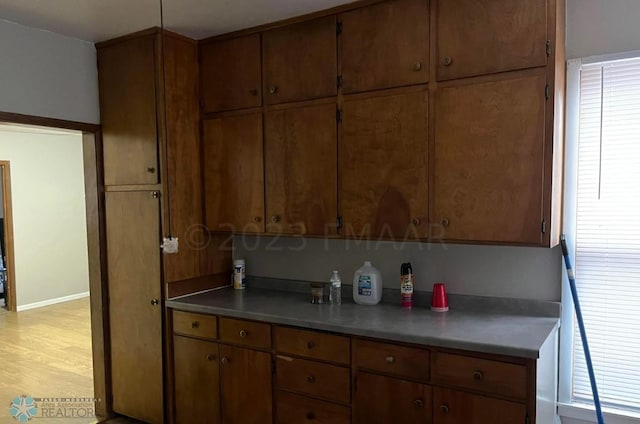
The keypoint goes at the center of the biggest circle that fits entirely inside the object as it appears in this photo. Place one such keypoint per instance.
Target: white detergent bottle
(367, 285)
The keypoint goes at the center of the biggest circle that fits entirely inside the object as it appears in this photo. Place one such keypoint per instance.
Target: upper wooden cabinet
(383, 165)
(299, 61)
(301, 174)
(385, 45)
(230, 74)
(233, 173)
(490, 160)
(127, 81)
(476, 37)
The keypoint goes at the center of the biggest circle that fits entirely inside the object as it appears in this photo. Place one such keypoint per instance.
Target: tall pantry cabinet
(152, 187)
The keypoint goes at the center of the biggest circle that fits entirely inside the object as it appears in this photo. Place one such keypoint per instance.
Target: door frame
(96, 245)
(10, 290)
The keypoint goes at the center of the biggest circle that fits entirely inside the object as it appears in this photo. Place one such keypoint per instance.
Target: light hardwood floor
(46, 353)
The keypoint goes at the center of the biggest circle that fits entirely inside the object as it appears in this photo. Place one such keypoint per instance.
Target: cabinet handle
(416, 221)
(311, 415)
(390, 359)
(419, 403)
(257, 219)
(211, 357)
(444, 408)
(195, 324)
(447, 61)
(417, 66)
(155, 194)
(155, 302)
(444, 222)
(311, 345)
(273, 89)
(253, 92)
(225, 360)
(275, 219)
(243, 333)
(151, 170)
(311, 379)
(477, 375)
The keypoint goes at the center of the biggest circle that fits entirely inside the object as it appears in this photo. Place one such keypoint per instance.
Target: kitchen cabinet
(385, 45)
(489, 160)
(230, 74)
(380, 399)
(300, 61)
(453, 407)
(383, 165)
(488, 36)
(196, 379)
(135, 299)
(301, 174)
(233, 173)
(296, 409)
(245, 385)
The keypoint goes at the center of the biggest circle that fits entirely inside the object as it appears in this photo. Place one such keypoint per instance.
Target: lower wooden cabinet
(379, 399)
(456, 407)
(296, 409)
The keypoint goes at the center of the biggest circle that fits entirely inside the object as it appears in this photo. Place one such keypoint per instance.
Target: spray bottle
(406, 285)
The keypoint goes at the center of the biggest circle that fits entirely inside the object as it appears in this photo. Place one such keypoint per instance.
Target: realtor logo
(23, 408)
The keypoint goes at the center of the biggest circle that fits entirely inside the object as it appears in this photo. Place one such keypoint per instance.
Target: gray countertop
(498, 333)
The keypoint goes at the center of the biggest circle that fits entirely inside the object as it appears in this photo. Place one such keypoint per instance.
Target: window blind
(608, 232)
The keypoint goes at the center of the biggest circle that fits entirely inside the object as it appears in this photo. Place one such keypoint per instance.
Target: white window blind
(608, 232)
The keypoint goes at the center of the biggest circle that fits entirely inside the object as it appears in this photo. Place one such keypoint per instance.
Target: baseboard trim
(51, 301)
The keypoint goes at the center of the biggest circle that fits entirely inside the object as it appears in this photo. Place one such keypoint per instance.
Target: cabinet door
(385, 45)
(477, 37)
(196, 380)
(233, 173)
(489, 161)
(135, 310)
(246, 386)
(454, 407)
(300, 61)
(383, 400)
(230, 74)
(383, 166)
(128, 111)
(301, 170)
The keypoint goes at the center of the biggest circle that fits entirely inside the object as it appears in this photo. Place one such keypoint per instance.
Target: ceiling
(99, 20)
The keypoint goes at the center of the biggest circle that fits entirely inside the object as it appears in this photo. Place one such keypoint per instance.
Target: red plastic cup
(439, 302)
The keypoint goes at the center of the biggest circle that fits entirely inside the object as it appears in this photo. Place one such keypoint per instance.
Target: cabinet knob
(477, 375)
(311, 415)
(211, 357)
(419, 403)
(243, 333)
(444, 408)
(447, 61)
(444, 222)
(310, 345)
(273, 89)
(253, 92)
(311, 379)
(416, 221)
(390, 359)
(155, 302)
(195, 324)
(257, 219)
(155, 194)
(417, 66)
(151, 170)
(275, 219)
(225, 360)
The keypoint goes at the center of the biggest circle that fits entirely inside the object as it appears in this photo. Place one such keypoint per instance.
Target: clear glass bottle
(335, 290)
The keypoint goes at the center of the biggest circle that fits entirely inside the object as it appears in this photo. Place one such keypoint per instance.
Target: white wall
(46, 74)
(48, 205)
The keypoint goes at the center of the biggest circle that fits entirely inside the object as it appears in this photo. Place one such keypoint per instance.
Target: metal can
(239, 274)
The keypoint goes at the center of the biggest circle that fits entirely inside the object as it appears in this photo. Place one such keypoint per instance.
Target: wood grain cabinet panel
(316, 379)
(230, 74)
(455, 407)
(196, 380)
(383, 165)
(127, 82)
(233, 173)
(196, 325)
(478, 37)
(385, 45)
(296, 409)
(489, 161)
(392, 359)
(301, 174)
(383, 400)
(300, 61)
(246, 333)
(312, 344)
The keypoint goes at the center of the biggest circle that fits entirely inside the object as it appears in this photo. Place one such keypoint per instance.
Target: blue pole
(583, 333)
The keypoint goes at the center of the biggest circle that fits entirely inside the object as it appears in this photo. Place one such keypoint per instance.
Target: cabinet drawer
(455, 406)
(295, 409)
(246, 333)
(481, 374)
(197, 325)
(322, 380)
(313, 345)
(391, 359)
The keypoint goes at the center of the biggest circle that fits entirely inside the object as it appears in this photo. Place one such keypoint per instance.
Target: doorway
(7, 268)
